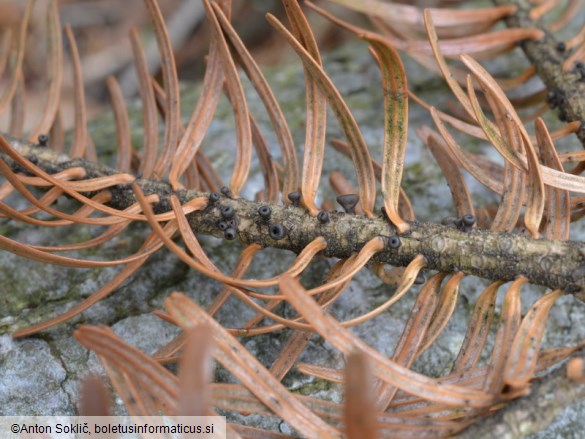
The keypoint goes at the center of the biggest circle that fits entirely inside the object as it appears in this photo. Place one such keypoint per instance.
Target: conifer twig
(548, 56)
(490, 255)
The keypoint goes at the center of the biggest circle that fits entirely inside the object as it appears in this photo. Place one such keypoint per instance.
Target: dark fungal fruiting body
(394, 242)
(277, 231)
(466, 222)
(223, 226)
(295, 198)
(265, 212)
(43, 140)
(348, 202)
(230, 233)
(213, 198)
(323, 217)
(226, 191)
(227, 212)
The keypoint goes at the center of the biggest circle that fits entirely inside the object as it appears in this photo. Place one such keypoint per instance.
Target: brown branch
(501, 256)
(566, 88)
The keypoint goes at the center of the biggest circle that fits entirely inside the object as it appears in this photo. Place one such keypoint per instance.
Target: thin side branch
(548, 55)
(489, 255)
(549, 396)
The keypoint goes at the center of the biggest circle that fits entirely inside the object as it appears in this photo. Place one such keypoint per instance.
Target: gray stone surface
(40, 374)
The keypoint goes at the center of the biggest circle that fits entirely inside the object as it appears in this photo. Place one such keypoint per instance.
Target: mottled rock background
(39, 375)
